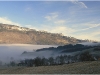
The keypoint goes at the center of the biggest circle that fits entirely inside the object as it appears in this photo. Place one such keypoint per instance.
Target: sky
(75, 18)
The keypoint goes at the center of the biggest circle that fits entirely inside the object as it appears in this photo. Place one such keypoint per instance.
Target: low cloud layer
(9, 52)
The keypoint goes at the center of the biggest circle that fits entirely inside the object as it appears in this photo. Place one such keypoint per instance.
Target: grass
(89, 67)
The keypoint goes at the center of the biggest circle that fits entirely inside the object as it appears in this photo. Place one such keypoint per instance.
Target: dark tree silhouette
(86, 56)
(37, 61)
(51, 60)
(44, 61)
(62, 61)
(12, 63)
(57, 59)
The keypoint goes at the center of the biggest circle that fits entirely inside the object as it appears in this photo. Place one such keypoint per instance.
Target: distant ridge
(12, 34)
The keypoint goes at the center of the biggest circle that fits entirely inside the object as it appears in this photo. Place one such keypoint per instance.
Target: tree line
(58, 60)
(52, 61)
(38, 61)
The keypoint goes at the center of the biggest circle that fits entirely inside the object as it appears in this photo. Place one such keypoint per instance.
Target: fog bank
(10, 52)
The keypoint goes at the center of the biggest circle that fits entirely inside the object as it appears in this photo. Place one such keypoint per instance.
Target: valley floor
(89, 67)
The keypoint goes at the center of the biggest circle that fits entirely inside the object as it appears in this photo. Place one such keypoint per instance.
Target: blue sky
(79, 19)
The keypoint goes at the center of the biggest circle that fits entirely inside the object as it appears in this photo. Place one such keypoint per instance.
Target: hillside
(11, 34)
(89, 67)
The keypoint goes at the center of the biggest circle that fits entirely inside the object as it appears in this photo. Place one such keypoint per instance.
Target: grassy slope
(74, 68)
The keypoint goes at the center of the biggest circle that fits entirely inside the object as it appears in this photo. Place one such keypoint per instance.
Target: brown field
(74, 68)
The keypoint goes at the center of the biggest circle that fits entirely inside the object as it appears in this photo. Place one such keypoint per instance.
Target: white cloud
(90, 27)
(96, 33)
(56, 25)
(5, 20)
(68, 31)
(54, 19)
(71, 32)
(48, 18)
(86, 33)
(79, 3)
(31, 27)
(51, 16)
(58, 29)
(85, 36)
(90, 36)
(95, 25)
(62, 29)
(60, 22)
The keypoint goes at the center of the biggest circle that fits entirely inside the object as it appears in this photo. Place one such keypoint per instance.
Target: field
(74, 68)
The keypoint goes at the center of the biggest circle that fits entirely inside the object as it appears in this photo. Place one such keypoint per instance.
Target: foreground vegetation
(87, 67)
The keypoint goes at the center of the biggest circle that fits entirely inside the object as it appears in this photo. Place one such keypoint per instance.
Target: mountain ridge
(11, 34)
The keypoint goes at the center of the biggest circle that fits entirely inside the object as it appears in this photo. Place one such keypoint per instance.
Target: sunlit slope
(12, 34)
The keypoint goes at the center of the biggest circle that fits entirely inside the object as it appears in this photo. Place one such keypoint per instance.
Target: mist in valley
(90, 43)
(18, 52)
(12, 52)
